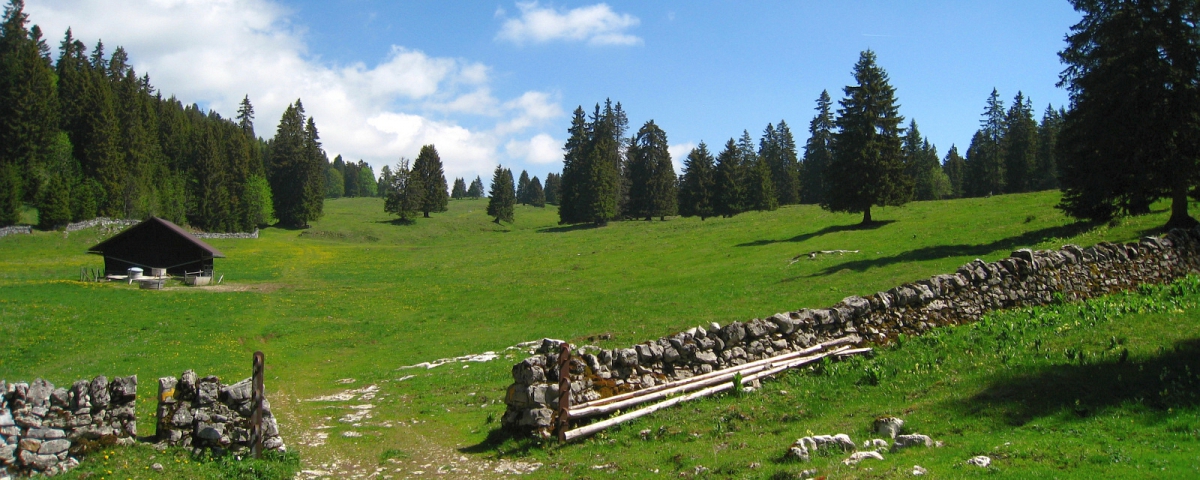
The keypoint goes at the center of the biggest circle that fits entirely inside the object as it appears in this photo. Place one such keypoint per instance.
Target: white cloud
(679, 153)
(214, 52)
(541, 149)
(597, 24)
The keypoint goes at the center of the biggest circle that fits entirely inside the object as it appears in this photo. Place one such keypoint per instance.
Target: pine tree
(697, 188)
(502, 197)
(868, 165)
(758, 187)
(728, 195)
(553, 180)
(429, 167)
(955, 169)
(459, 191)
(476, 188)
(537, 196)
(406, 195)
(523, 188)
(1020, 146)
(818, 152)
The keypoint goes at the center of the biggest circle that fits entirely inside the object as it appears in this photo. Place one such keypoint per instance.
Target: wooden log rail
(672, 393)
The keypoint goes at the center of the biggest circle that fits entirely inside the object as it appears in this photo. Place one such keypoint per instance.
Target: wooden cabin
(156, 243)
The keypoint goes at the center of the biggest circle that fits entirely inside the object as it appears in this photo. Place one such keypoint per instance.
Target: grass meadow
(341, 307)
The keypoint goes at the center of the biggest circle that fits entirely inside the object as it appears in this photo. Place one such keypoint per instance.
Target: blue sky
(494, 82)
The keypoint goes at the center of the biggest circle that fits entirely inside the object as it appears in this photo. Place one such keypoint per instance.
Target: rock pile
(1025, 278)
(42, 426)
(201, 413)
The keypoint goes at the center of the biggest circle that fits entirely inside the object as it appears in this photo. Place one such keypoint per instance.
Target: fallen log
(591, 429)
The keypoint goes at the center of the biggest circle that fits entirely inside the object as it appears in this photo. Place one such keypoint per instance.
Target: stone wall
(102, 222)
(44, 428)
(15, 230)
(241, 235)
(201, 413)
(1023, 279)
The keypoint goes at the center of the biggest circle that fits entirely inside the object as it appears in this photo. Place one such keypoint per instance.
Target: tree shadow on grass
(568, 228)
(824, 231)
(398, 221)
(1170, 379)
(520, 443)
(943, 251)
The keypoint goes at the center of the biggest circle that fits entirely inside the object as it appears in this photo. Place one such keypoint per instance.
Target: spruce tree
(551, 188)
(1020, 146)
(429, 167)
(573, 172)
(758, 187)
(314, 178)
(10, 194)
(1045, 175)
(406, 195)
(650, 175)
(28, 101)
(537, 196)
(476, 188)
(985, 156)
(728, 195)
(698, 185)
(459, 191)
(54, 205)
(777, 149)
(288, 167)
(523, 188)
(955, 169)
(502, 197)
(818, 152)
(868, 165)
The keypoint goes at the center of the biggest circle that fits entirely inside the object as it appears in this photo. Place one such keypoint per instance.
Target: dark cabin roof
(156, 243)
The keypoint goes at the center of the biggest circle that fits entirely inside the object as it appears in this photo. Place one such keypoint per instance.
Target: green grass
(357, 296)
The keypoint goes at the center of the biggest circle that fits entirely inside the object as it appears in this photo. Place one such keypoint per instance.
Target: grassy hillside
(343, 305)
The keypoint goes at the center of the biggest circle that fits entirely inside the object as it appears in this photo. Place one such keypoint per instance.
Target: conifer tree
(429, 167)
(523, 188)
(650, 175)
(288, 164)
(698, 185)
(955, 169)
(54, 206)
(1020, 145)
(334, 184)
(10, 194)
(367, 185)
(574, 169)
(476, 188)
(868, 165)
(385, 181)
(777, 149)
(313, 172)
(28, 103)
(818, 152)
(459, 191)
(537, 196)
(553, 180)
(245, 118)
(1045, 175)
(922, 165)
(728, 195)
(406, 194)
(758, 187)
(502, 197)
(985, 156)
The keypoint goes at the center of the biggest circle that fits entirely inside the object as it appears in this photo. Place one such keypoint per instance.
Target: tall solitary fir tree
(503, 196)
(296, 176)
(428, 166)
(867, 168)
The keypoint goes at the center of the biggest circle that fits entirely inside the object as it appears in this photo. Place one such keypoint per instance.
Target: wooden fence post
(256, 405)
(562, 415)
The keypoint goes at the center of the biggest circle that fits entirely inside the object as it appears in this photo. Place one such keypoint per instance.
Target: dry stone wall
(201, 413)
(1025, 278)
(44, 428)
(15, 230)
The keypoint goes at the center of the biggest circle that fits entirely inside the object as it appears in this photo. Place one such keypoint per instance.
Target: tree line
(85, 135)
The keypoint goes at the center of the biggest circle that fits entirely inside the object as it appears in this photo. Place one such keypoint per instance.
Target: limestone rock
(914, 440)
(889, 426)
(982, 461)
(860, 456)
